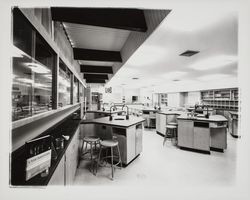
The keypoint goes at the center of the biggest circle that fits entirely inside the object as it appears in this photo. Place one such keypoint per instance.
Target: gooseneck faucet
(127, 116)
(110, 116)
(207, 115)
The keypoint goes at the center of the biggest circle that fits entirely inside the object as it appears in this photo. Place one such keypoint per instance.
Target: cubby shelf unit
(221, 99)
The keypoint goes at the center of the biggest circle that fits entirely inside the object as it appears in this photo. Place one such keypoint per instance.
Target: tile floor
(158, 165)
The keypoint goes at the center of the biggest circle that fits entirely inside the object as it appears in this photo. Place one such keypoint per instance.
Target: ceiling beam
(96, 69)
(95, 76)
(97, 55)
(126, 19)
(95, 81)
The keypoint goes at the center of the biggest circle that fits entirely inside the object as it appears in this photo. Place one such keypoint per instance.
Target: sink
(119, 118)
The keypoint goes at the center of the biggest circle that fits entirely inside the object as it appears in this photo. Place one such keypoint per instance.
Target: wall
(194, 98)
(22, 134)
(41, 20)
(174, 99)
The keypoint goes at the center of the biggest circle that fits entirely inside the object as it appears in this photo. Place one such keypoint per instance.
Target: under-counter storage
(130, 142)
(194, 135)
(66, 169)
(185, 133)
(201, 136)
(71, 159)
(58, 177)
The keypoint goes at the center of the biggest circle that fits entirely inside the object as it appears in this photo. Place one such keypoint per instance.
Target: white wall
(194, 97)
(174, 99)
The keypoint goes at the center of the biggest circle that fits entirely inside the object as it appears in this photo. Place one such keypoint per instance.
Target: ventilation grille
(189, 53)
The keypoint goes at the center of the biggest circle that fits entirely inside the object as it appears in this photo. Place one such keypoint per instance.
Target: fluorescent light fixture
(213, 77)
(214, 62)
(16, 52)
(37, 68)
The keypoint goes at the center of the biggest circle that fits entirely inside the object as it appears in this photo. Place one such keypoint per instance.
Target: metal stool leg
(120, 158)
(91, 157)
(112, 167)
(82, 146)
(99, 158)
(165, 137)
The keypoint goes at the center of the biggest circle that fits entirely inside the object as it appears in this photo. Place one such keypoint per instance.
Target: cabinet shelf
(222, 99)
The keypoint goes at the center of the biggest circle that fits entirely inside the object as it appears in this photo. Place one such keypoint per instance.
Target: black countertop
(119, 121)
(68, 126)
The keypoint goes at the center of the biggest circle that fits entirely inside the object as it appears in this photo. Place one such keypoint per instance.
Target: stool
(92, 141)
(110, 144)
(170, 133)
(151, 118)
(174, 124)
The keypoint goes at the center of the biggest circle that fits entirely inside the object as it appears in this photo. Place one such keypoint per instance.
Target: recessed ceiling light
(189, 53)
(176, 80)
(135, 78)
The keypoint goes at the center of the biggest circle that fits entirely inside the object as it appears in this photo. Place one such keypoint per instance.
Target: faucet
(127, 116)
(207, 115)
(110, 116)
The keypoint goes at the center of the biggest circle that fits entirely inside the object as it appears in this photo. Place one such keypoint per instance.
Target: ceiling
(100, 37)
(158, 66)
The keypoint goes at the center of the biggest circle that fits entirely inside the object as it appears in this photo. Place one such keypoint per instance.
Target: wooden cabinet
(138, 139)
(71, 159)
(130, 142)
(161, 121)
(185, 133)
(66, 169)
(58, 175)
(201, 138)
(219, 137)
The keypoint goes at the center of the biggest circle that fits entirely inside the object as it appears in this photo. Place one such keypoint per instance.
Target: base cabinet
(201, 139)
(66, 169)
(130, 142)
(71, 159)
(186, 133)
(58, 175)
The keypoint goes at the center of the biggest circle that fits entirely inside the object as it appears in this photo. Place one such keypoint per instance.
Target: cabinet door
(58, 175)
(138, 139)
(185, 133)
(72, 159)
(130, 135)
(202, 138)
(161, 121)
(218, 137)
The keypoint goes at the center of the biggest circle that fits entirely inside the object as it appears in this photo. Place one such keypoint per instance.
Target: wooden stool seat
(173, 123)
(170, 126)
(109, 143)
(91, 139)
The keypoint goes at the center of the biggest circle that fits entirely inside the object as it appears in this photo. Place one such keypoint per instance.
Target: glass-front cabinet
(32, 64)
(34, 70)
(64, 85)
(75, 90)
